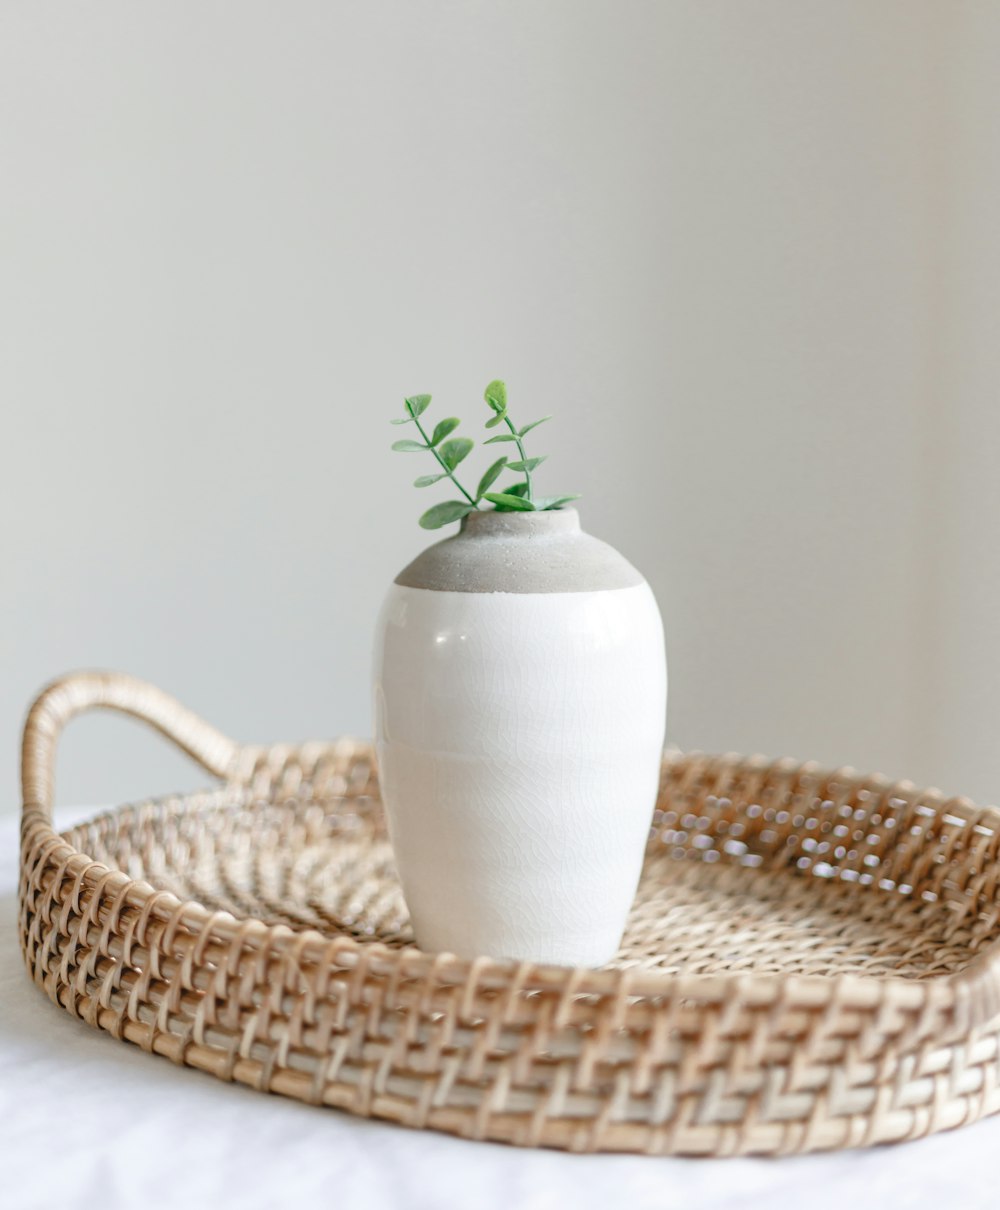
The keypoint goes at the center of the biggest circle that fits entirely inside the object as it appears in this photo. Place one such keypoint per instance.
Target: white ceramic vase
(520, 700)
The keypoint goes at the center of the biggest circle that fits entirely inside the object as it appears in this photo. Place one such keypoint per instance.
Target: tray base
(326, 864)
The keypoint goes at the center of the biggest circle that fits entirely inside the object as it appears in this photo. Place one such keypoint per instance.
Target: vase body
(520, 701)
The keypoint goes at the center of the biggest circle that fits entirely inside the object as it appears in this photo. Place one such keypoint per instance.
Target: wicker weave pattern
(812, 960)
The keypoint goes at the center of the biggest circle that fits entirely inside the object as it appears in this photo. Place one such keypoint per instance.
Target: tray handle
(64, 699)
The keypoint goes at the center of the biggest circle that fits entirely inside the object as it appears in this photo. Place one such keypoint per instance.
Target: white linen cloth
(88, 1121)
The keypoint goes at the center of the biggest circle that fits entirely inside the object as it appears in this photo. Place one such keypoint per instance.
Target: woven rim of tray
(876, 1013)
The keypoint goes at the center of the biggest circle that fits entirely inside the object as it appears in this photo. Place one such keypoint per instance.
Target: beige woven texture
(811, 962)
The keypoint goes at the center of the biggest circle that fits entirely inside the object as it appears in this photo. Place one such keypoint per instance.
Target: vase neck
(520, 553)
(488, 523)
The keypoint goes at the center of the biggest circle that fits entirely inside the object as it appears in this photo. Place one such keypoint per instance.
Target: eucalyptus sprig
(520, 497)
(450, 451)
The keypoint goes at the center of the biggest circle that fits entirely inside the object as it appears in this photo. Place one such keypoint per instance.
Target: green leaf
(427, 480)
(444, 514)
(507, 501)
(493, 421)
(408, 447)
(417, 404)
(443, 428)
(499, 437)
(517, 489)
(534, 425)
(491, 476)
(528, 464)
(548, 503)
(402, 420)
(452, 452)
(496, 395)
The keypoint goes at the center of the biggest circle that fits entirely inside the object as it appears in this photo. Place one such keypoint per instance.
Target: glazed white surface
(519, 738)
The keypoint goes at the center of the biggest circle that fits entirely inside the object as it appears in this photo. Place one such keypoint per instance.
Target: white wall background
(745, 251)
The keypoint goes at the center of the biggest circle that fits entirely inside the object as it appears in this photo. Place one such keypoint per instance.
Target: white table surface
(90, 1121)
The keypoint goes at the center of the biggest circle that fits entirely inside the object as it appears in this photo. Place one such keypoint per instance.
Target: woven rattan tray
(811, 962)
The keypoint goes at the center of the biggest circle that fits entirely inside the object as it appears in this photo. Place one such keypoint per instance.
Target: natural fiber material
(811, 962)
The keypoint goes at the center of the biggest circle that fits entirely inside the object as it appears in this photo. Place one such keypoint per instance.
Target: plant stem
(524, 456)
(444, 465)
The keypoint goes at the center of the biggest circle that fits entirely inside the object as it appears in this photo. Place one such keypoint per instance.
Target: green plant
(451, 451)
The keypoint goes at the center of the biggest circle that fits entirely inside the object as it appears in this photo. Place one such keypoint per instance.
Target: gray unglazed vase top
(520, 552)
